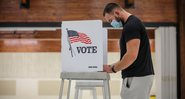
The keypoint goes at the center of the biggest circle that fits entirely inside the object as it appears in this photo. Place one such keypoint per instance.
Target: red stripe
(83, 38)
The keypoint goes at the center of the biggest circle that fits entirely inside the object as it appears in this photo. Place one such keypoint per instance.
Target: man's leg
(136, 87)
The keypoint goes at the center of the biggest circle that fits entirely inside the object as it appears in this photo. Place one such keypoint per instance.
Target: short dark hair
(109, 7)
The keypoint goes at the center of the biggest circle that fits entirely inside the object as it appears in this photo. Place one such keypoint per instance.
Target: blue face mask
(116, 24)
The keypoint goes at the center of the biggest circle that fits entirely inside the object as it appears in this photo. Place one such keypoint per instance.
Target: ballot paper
(83, 46)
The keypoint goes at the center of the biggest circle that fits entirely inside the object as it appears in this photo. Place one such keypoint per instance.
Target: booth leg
(106, 89)
(94, 94)
(108, 86)
(69, 87)
(77, 93)
(103, 91)
(61, 89)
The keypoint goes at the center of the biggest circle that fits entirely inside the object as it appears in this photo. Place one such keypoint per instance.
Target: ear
(116, 12)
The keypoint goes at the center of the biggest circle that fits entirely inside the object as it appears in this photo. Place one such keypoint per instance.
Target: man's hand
(107, 68)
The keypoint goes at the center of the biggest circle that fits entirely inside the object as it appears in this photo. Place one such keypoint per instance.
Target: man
(135, 61)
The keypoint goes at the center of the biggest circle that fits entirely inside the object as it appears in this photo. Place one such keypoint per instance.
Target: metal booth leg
(69, 87)
(94, 93)
(77, 93)
(106, 89)
(103, 91)
(61, 89)
(108, 86)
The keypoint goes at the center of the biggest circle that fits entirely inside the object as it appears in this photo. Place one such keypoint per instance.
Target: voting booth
(84, 51)
(83, 46)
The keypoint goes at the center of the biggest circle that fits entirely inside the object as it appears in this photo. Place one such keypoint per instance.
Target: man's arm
(129, 57)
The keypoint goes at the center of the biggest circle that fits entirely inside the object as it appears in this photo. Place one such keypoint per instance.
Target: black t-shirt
(142, 66)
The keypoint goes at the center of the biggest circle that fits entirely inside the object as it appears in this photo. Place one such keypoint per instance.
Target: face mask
(116, 24)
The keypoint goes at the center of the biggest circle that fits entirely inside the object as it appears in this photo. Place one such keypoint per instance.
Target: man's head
(112, 13)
